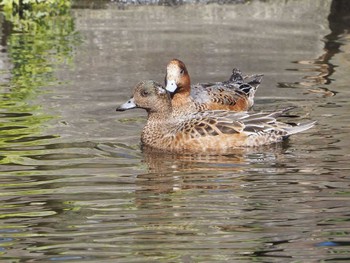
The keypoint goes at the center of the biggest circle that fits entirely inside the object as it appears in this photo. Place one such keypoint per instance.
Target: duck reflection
(169, 173)
(184, 197)
(162, 162)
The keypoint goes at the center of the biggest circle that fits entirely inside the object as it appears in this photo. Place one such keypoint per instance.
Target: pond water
(75, 186)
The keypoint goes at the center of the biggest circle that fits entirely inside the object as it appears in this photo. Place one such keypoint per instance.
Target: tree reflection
(34, 44)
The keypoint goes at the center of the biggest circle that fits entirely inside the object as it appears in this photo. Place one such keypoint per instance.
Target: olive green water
(75, 186)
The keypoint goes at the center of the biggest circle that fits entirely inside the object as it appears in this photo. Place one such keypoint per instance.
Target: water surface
(75, 186)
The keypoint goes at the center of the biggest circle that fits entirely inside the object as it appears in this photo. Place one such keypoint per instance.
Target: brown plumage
(236, 94)
(211, 132)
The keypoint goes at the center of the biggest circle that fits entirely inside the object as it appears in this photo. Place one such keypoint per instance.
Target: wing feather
(209, 123)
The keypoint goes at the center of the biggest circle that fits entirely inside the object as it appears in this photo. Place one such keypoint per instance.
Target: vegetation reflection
(37, 37)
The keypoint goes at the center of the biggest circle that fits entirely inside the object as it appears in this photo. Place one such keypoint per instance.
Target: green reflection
(27, 15)
(40, 37)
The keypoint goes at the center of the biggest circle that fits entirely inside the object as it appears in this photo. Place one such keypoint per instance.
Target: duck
(207, 132)
(235, 94)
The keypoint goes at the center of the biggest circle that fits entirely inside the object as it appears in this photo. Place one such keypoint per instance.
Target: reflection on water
(29, 61)
(75, 185)
(339, 24)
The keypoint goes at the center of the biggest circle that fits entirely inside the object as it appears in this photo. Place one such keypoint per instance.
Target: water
(75, 186)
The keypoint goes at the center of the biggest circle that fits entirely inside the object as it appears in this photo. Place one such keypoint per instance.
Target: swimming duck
(210, 132)
(236, 94)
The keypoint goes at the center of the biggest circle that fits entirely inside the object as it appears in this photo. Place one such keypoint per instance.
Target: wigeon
(210, 132)
(236, 94)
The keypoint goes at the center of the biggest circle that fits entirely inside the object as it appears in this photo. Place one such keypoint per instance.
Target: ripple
(75, 185)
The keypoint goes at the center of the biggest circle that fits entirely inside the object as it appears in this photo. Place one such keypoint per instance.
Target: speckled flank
(210, 132)
(236, 94)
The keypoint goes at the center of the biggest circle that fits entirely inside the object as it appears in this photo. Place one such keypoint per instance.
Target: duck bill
(171, 86)
(130, 104)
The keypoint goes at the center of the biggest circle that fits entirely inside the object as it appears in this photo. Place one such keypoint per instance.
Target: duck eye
(182, 71)
(144, 93)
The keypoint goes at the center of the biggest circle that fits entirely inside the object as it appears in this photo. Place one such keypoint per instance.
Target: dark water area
(75, 185)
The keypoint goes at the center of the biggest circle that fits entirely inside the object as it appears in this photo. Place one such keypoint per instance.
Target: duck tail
(299, 127)
(255, 80)
(281, 112)
(236, 76)
(250, 86)
(247, 84)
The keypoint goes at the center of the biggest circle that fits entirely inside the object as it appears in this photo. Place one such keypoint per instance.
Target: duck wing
(216, 93)
(217, 122)
(208, 123)
(229, 92)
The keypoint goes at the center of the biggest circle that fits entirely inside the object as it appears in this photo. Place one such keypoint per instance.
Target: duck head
(177, 78)
(148, 95)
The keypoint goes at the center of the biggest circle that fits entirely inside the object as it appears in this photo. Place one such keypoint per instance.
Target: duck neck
(156, 127)
(183, 92)
(160, 114)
